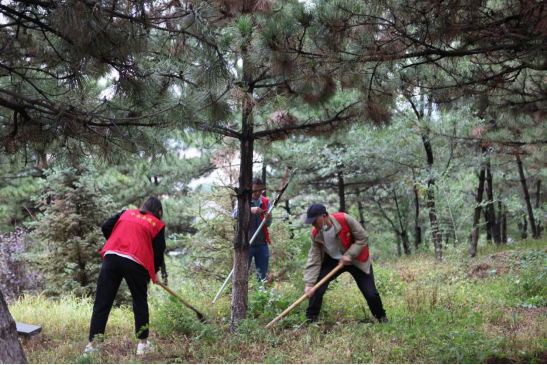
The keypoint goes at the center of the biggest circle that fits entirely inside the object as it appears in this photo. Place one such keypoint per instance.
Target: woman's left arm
(158, 245)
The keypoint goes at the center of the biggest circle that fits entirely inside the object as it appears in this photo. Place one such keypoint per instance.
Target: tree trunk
(488, 225)
(341, 192)
(417, 228)
(491, 223)
(264, 175)
(477, 217)
(240, 280)
(431, 199)
(504, 225)
(538, 205)
(523, 228)
(499, 221)
(538, 194)
(406, 242)
(361, 215)
(11, 351)
(535, 233)
(402, 225)
(288, 210)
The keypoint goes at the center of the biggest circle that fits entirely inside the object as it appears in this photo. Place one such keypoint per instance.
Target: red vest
(264, 207)
(345, 236)
(132, 235)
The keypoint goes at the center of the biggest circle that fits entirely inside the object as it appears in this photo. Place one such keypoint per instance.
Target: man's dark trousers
(365, 282)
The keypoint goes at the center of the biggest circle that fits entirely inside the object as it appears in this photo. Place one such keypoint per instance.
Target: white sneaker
(145, 348)
(91, 350)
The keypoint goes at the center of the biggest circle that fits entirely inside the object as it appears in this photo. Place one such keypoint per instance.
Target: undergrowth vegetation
(483, 310)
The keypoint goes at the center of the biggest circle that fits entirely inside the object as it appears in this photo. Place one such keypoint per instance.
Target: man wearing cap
(338, 238)
(260, 205)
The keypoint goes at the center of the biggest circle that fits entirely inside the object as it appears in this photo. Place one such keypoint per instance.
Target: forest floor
(490, 309)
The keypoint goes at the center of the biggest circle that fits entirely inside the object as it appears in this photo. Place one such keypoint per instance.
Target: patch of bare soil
(500, 262)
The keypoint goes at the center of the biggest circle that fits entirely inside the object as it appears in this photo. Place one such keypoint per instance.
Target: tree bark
(360, 209)
(535, 233)
(11, 351)
(488, 225)
(417, 228)
(504, 225)
(538, 205)
(341, 192)
(499, 223)
(288, 210)
(523, 228)
(477, 217)
(264, 175)
(491, 223)
(240, 280)
(402, 224)
(431, 199)
(538, 194)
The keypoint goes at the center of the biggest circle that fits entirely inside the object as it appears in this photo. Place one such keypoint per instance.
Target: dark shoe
(383, 320)
(307, 323)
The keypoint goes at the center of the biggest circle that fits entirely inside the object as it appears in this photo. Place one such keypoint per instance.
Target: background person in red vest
(259, 248)
(338, 238)
(133, 251)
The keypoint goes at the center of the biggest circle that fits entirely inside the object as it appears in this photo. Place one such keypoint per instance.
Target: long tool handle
(223, 285)
(200, 316)
(259, 227)
(303, 297)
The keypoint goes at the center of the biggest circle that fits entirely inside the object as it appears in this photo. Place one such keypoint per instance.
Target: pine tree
(73, 207)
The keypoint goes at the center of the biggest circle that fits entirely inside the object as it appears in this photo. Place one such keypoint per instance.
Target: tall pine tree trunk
(11, 351)
(488, 225)
(538, 204)
(494, 228)
(264, 176)
(417, 228)
(341, 191)
(535, 233)
(477, 217)
(501, 223)
(523, 228)
(538, 194)
(360, 209)
(431, 199)
(240, 280)
(504, 225)
(404, 232)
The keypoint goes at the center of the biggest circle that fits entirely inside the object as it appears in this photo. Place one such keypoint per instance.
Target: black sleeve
(108, 226)
(158, 245)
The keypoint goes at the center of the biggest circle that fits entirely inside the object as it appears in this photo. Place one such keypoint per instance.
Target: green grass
(459, 311)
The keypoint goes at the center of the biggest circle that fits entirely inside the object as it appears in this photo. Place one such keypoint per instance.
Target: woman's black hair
(152, 206)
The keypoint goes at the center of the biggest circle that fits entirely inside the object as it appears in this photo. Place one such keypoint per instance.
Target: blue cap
(314, 211)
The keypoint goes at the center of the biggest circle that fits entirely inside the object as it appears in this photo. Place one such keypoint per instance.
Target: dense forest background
(424, 120)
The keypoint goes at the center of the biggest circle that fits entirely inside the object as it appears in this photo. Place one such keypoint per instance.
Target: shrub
(73, 208)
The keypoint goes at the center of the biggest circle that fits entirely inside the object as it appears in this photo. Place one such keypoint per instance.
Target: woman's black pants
(113, 270)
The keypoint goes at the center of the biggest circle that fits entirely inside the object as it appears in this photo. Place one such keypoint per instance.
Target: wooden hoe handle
(303, 297)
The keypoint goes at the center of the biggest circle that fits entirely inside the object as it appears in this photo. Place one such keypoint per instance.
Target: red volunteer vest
(345, 236)
(132, 235)
(264, 207)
